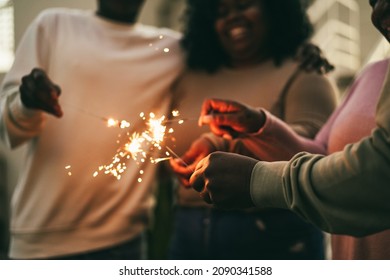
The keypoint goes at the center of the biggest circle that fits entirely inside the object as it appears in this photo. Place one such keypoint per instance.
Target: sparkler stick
(82, 110)
(180, 121)
(176, 155)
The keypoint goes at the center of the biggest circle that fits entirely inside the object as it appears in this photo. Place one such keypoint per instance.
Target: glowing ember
(112, 122)
(116, 123)
(124, 124)
(140, 146)
(157, 160)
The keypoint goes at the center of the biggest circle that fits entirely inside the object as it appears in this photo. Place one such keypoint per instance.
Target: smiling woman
(244, 50)
(345, 193)
(279, 27)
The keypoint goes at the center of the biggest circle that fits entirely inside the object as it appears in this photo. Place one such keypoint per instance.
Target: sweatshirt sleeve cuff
(267, 185)
(23, 117)
(17, 109)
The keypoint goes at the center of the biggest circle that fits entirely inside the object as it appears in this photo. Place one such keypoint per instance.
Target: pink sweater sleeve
(276, 140)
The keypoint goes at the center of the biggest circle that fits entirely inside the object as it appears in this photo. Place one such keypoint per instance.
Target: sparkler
(141, 145)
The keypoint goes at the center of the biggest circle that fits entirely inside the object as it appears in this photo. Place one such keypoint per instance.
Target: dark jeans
(131, 250)
(201, 233)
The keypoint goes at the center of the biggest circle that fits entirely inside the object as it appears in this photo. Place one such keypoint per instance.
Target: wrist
(259, 119)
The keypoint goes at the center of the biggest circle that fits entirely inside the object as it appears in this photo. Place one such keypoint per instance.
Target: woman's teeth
(237, 32)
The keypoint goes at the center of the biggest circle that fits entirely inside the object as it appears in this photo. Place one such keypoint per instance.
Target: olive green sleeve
(345, 193)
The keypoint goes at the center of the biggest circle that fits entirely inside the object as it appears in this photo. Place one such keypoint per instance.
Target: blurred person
(345, 193)
(241, 49)
(102, 64)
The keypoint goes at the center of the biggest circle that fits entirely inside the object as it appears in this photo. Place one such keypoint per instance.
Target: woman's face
(242, 30)
(381, 16)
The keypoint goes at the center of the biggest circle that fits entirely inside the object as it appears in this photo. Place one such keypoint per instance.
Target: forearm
(18, 124)
(275, 141)
(219, 143)
(337, 192)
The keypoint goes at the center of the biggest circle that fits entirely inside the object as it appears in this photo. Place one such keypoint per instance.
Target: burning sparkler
(141, 146)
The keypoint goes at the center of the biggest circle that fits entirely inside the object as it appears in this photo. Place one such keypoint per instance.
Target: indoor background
(343, 31)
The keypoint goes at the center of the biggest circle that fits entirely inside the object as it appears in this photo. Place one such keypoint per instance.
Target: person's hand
(223, 179)
(185, 166)
(37, 91)
(312, 59)
(229, 118)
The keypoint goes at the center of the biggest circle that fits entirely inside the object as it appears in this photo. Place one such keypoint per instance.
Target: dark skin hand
(223, 179)
(37, 91)
(186, 165)
(230, 119)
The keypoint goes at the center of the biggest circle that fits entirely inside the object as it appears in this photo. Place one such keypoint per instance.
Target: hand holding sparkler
(185, 166)
(229, 118)
(223, 179)
(37, 91)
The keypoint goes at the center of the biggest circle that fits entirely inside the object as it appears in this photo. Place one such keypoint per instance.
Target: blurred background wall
(343, 30)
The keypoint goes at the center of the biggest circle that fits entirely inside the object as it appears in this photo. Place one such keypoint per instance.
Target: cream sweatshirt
(105, 69)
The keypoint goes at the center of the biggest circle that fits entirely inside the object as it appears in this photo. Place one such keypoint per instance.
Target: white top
(105, 69)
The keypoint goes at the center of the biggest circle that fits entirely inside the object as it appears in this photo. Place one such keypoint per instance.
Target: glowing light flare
(68, 167)
(157, 160)
(116, 123)
(124, 124)
(112, 123)
(139, 146)
(157, 129)
(134, 147)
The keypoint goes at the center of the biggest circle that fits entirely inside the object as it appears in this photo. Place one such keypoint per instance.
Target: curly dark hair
(287, 19)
